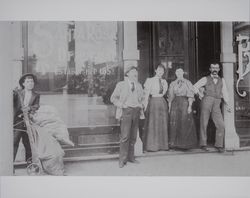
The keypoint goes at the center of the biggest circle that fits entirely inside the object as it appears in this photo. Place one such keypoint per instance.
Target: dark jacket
(18, 97)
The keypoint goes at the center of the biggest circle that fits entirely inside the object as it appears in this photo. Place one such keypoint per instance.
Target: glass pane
(171, 47)
(77, 66)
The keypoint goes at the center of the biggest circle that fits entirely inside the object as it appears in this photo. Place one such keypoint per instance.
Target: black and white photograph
(119, 97)
(137, 96)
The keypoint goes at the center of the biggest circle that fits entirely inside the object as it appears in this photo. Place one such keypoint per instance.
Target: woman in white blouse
(156, 123)
(182, 131)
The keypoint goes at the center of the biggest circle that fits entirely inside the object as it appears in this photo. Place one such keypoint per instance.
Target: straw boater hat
(129, 69)
(21, 80)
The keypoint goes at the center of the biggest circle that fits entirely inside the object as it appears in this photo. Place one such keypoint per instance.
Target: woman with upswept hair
(156, 123)
(182, 132)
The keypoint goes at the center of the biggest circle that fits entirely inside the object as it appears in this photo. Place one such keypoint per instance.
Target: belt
(132, 107)
(156, 95)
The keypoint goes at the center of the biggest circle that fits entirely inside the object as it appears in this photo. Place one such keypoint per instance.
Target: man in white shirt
(128, 97)
(214, 91)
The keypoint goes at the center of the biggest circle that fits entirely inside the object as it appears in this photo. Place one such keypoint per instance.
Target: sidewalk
(165, 164)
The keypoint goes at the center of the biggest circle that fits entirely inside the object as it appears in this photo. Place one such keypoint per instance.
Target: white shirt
(152, 87)
(27, 97)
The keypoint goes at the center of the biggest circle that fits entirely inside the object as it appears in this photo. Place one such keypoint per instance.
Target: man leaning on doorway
(214, 91)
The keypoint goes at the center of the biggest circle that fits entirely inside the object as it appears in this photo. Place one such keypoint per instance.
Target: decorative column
(71, 47)
(130, 57)
(228, 59)
(130, 51)
(6, 117)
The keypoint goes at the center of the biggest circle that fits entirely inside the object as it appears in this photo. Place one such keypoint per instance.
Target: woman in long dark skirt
(156, 122)
(182, 133)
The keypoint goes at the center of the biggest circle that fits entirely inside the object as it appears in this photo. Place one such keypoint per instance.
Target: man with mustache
(214, 91)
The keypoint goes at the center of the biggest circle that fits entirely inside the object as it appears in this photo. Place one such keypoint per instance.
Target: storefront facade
(193, 46)
(79, 63)
(241, 34)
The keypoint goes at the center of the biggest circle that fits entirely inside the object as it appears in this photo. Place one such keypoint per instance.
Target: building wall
(6, 63)
(241, 36)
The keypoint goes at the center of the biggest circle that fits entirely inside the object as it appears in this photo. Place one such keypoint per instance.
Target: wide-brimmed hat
(129, 69)
(21, 80)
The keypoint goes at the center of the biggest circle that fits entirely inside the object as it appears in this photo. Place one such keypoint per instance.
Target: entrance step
(92, 150)
(93, 140)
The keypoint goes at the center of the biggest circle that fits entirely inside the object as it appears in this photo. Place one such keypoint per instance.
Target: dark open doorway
(207, 51)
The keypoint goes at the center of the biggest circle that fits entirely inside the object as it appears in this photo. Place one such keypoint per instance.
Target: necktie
(161, 87)
(133, 86)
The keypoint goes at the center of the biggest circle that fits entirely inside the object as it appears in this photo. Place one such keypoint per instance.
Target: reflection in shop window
(171, 47)
(77, 65)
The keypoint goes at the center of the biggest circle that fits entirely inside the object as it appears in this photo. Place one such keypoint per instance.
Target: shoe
(29, 161)
(134, 161)
(204, 148)
(219, 149)
(122, 164)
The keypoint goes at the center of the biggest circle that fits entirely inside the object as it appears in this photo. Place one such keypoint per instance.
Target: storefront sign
(243, 60)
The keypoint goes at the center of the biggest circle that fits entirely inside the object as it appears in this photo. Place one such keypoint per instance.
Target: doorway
(207, 50)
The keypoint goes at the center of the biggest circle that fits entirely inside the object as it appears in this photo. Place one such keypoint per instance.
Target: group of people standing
(169, 124)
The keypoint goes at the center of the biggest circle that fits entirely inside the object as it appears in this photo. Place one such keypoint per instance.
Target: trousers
(211, 106)
(129, 127)
(18, 135)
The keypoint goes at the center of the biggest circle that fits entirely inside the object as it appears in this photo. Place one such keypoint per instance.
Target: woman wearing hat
(156, 123)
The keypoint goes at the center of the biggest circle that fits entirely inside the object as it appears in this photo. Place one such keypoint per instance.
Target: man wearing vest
(214, 91)
(127, 97)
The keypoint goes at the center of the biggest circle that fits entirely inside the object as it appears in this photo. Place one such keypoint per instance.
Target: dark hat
(129, 69)
(21, 80)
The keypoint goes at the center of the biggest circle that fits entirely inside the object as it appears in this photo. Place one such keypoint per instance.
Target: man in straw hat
(25, 100)
(128, 98)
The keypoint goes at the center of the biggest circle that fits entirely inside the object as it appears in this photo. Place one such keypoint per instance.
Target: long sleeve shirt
(203, 81)
(152, 87)
(180, 87)
(121, 93)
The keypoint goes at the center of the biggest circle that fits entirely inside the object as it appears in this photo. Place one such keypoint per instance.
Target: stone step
(90, 158)
(91, 150)
(90, 145)
(85, 152)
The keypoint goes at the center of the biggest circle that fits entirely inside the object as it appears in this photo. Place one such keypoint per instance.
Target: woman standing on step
(182, 133)
(156, 123)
